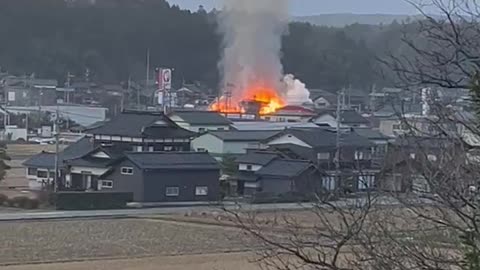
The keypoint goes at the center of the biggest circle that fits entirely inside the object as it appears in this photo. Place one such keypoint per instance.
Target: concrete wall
(156, 183)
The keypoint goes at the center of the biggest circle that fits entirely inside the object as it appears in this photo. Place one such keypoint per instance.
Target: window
(32, 171)
(221, 129)
(201, 191)
(42, 174)
(168, 148)
(366, 182)
(127, 170)
(359, 155)
(107, 184)
(201, 150)
(323, 156)
(201, 130)
(151, 149)
(172, 191)
(137, 148)
(249, 167)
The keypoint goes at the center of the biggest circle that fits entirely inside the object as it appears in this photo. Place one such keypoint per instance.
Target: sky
(314, 7)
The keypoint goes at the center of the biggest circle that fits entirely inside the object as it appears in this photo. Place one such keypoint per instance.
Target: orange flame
(267, 98)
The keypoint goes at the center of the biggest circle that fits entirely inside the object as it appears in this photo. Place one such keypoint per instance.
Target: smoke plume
(296, 92)
(252, 35)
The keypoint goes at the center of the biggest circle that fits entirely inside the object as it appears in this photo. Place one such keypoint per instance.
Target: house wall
(208, 142)
(126, 183)
(387, 127)
(239, 147)
(276, 185)
(156, 183)
(243, 167)
(322, 103)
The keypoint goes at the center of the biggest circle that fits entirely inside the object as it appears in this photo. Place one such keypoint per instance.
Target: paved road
(387, 201)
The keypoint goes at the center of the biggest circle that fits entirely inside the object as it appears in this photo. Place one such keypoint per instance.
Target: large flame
(267, 98)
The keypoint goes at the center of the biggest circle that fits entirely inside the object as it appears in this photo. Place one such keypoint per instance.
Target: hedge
(91, 200)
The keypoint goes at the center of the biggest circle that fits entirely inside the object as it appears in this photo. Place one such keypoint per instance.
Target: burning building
(251, 70)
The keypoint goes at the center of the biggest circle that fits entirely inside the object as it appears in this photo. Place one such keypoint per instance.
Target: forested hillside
(111, 37)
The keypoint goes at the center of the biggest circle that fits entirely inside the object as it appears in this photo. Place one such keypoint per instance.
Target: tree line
(110, 38)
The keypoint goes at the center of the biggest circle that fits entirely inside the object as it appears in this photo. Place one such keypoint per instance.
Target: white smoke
(296, 92)
(252, 39)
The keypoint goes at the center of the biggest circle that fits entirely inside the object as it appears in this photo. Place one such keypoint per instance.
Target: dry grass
(53, 241)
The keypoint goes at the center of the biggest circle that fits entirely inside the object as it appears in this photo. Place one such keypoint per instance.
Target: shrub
(3, 199)
(31, 204)
(20, 201)
(92, 200)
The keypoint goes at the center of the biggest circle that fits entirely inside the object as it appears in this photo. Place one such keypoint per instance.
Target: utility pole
(340, 99)
(147, 79)
(57, 133)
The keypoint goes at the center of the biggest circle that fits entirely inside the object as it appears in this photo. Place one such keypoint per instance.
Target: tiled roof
(284, 168)
(141, 124)
(173, 160)
(257, 158)
(202, 118)
(244, 135)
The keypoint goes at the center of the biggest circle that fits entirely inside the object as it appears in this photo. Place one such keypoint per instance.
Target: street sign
(167, 78)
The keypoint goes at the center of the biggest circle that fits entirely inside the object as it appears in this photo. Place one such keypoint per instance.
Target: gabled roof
(47, 159)
(243, 136)
(284, 168)
(315, 94)
(44, 160)
(141, 124)
(202, 117)
(173, 160)
(324, 138)
(257, 158)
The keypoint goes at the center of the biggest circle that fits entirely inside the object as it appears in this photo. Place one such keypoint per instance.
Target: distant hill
(343, 19)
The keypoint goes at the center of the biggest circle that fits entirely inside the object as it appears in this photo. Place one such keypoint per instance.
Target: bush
(3, 199)
(19, 201)
(31, 204)
(92, 200)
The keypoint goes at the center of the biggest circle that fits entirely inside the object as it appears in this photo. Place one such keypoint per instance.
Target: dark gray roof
(44, 160)
(284, 168)
(202, 118)
(370, 133)
(142, 124)
(257, 158)
(114, 152)
(324, 138)
(47, 160)
(174, 160)
(318, 93)
(239, 136)
(78, 149)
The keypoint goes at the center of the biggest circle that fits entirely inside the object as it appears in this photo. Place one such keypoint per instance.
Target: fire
(267, 98)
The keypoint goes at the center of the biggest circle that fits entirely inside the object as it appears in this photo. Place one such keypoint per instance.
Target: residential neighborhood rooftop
(284, 167)
(257, 158)
(173, 160)
(202, 117)
(243, 135)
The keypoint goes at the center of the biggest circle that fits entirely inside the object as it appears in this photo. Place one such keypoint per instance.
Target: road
(385, 201)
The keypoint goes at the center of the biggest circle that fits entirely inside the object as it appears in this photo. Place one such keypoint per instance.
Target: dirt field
(221, 261)
(60, 241)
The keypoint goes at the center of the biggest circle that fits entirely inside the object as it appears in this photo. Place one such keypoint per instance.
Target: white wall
(237, 147)
(288, 139)
(208, 142)
(243, 167)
